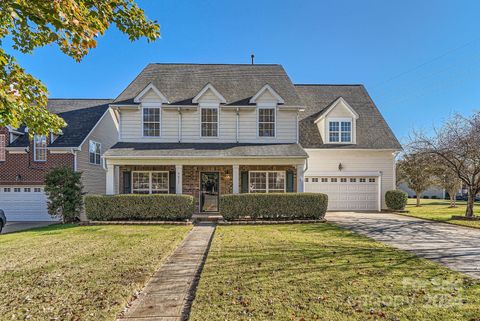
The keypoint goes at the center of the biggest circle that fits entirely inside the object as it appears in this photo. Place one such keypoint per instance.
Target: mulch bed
(139, 223)
(265, 222)
(464, 218)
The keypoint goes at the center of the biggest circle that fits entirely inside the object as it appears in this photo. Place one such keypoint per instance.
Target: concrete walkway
(453, 246)
(170, 292)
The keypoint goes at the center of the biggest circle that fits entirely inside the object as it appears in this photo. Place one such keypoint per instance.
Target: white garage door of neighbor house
(346, 193)
(24, 203)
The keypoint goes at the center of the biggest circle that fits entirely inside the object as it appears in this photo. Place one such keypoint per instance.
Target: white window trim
(266, 185)
(150, 180)
(100, 155)
(210, 106)
(340, 120)
(274, 123)
(35, 149)
(151, 106)
(3, 147)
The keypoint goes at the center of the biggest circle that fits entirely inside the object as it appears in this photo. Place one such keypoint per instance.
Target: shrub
(131, 207)
(426, 197)
(396, 200)
(274, 206)
(63, 187)
(434, 197)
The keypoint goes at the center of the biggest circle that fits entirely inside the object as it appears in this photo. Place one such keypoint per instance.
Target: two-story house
(212, 129)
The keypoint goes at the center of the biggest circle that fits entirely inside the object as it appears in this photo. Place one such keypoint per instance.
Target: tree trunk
(470, 201)
(453, 201)
(418, 200)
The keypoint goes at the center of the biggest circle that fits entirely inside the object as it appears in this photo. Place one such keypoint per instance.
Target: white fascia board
(335, 150)
(150, 86)
(129, 106)
(279, 99)
(333, 105)
(209, 86)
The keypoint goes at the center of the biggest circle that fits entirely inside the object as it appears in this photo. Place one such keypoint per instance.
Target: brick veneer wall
(31, 172)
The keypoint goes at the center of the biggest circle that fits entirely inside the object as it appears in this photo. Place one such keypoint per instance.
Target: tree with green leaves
(64, 190)
(73, 25)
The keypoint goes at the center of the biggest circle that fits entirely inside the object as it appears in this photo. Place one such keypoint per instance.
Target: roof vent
(253, 58)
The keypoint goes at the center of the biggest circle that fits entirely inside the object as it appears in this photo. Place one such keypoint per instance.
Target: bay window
(266, 181)
(150, 182)
(266, 122)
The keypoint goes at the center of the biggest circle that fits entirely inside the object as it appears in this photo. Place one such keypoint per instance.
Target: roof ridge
(81, 98)
(362, 85)
(211, 64)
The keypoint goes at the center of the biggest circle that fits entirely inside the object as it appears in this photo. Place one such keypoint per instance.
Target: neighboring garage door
(346, 193)
(24, 203)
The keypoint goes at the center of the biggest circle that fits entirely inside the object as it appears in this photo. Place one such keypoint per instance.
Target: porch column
(300, 178)
(235, 181)
(110, 177)
(116, 175)
(178, 179)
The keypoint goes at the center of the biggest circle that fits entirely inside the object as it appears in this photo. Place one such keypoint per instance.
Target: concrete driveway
(20, 226)
(453, 246)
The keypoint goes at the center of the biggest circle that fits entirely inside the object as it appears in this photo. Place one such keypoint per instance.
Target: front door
(209, 191)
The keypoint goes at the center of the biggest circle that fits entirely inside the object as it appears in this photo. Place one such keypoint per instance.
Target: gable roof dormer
(267, 90)
(148, 91)
(340, 107)
(209, 89)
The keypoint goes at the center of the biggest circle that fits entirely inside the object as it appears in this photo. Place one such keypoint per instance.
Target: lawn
(439, 210)
(79, 273)
(321, 272)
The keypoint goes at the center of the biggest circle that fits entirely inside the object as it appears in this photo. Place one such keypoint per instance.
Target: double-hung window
(340, 131)
(209, 122)
(3, 143)
(266, 181)
(266, 122)
(150, 182)
(95, 152)
(151, 121)
(40, 148)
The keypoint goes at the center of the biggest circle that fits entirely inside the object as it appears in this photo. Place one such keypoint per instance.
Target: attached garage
(24, 203)
(347, 193)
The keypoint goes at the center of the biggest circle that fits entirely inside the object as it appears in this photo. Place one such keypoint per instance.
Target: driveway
(453, 246)
(20, 226)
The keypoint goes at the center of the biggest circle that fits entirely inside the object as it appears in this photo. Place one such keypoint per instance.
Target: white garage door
(24, 203)
(346, 193)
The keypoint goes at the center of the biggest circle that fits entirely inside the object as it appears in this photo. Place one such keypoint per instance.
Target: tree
(457, 143)
(73, 25)
(449, 181)
(415, 169)
(64, 190)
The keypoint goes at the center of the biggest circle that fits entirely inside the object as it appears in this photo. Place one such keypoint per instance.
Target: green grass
(321, 272)
(68, 272)
(439, 210)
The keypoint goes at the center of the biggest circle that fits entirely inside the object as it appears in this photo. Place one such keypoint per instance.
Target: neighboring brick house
(212, 129)
(24, 161)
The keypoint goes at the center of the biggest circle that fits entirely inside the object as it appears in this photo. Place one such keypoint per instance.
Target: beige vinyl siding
(324, 160)
(94, 176)
(131, 126)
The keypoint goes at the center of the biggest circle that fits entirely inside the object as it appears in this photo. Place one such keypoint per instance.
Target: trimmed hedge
(134, 207)
(396, 200)
(273, 206)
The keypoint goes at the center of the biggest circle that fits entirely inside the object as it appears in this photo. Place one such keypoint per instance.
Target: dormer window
(266, 122)
(340, 131)
(209, 122)
(151, 121)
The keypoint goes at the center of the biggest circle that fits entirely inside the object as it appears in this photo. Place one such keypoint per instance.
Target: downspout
(296, 126)
(237, 112)
(179, 125)
(74, 152)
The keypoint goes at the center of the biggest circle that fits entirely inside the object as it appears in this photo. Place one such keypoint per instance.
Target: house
(92, 129)
(212, 129)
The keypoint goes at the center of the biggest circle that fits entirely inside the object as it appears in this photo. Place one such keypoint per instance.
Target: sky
(419, 60)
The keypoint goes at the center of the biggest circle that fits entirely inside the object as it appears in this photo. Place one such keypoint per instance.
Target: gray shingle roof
(372, 130)
(81, 116)
(217, 150)
(180, 83)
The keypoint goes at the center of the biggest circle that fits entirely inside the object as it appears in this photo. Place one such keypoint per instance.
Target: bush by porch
(131, 207)
(274, 206)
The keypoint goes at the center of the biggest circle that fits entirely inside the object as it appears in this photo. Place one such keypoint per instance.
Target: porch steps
(207, 218)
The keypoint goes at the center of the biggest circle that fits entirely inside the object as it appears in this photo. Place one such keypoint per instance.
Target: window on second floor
(40, 148)
(94, 150)
(151, 121)
(209, 122)
(3, 144)
(340, 131)
(266, 122)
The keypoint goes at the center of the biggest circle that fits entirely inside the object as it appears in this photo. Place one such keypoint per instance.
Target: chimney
(253, 58)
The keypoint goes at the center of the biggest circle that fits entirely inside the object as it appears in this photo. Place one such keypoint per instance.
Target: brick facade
(21, 169)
